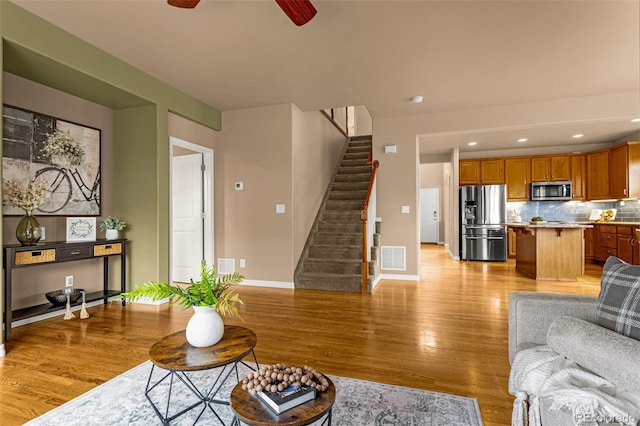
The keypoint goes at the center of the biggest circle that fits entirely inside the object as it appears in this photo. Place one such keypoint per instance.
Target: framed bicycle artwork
(61, 156)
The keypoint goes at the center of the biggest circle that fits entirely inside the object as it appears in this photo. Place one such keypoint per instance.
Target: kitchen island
(550, 251)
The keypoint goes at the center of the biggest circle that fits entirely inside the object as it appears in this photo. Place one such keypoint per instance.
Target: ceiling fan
(299, 11)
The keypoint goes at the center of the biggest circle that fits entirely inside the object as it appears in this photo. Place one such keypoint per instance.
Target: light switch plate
(279, 208)
(405, 209)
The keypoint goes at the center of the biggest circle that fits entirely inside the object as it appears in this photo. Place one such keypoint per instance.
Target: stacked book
(288, 398)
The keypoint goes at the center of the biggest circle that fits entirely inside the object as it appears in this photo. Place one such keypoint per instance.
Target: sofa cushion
(619, 299)
(601, 351)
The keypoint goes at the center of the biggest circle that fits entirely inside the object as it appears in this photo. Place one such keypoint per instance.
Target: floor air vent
(226, 266)
(394, 258)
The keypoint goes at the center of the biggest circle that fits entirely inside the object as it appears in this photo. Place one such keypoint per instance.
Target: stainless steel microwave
(551, 191)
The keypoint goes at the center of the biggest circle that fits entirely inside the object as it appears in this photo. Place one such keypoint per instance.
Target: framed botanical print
(81, 229)
(62, 156)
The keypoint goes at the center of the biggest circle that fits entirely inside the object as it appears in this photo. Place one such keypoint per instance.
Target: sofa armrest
(531, 315)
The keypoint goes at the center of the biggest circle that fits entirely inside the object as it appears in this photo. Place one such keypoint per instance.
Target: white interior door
(429, 215)
(187, 217)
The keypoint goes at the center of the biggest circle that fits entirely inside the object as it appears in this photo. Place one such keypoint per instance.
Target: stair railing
(368, 215)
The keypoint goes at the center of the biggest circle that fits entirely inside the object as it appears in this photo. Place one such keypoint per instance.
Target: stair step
(335, 282)
(358, 149)
(350, 186)
(361, 138)
(338, 216)
(355, 163)
(356, 156)
(354, 170)
(348, 195)
(358, 144)
(344, 205)
(335, 252)
(353, 177)
(333, 266)
(338, 239)
(353, 227)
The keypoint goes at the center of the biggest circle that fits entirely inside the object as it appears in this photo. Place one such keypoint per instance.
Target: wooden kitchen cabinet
(539, 169)
(589, 244)
(560, 166)
(492, 171)
(481, 172)
(625, 243)
(636, 245)
(598, 175)
(469, 172)
(579, 177)
(624, 170)
(511, 242)
(517, 178)
(551, 168)
(608, 242)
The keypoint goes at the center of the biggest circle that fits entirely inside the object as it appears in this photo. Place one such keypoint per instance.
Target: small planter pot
(205, 328)
(111, 234)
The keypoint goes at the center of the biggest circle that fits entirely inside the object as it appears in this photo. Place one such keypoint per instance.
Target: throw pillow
(619, 299)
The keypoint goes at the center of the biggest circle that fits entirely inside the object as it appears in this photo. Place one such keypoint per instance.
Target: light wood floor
(447, 332)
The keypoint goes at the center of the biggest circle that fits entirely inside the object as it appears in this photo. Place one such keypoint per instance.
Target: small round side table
(250, 410)
(175, 355)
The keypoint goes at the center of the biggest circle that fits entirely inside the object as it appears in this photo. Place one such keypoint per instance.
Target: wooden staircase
(332, 258)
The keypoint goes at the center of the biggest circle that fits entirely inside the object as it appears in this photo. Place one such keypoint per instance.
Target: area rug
(122, 401)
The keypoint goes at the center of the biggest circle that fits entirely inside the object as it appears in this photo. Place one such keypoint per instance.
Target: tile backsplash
(627, 211)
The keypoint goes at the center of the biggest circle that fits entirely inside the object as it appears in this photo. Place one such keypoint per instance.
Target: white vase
(111, 234)
(205, 328)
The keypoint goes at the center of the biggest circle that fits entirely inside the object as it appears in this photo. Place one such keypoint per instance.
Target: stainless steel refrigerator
(483, 232)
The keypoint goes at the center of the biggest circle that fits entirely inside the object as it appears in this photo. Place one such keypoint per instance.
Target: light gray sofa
(566, 323)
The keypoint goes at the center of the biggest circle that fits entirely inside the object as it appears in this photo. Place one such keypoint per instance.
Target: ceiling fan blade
(185, 4)
(299, 11)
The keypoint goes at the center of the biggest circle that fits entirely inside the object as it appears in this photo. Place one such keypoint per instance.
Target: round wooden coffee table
(250, 410)
(175, 354)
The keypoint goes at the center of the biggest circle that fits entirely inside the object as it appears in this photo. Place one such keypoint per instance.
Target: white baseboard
(454, 257)
(399, 277)
(375, 282)
(273, 284)
(3, 352)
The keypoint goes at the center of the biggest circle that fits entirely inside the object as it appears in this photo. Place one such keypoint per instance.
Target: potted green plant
(209, 297)
(112, 226)
(28, 231)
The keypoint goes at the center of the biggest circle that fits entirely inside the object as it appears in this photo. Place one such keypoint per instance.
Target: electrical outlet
(242, 263)
(68, 281)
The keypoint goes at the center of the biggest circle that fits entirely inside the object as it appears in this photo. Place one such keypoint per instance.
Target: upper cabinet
(492, 171)
(550, 168)
(481, 172)
(518, 178)
(579, 176)
(469, 172)
(598, 172)
(614, 173)
(624, 171)
(600, 175)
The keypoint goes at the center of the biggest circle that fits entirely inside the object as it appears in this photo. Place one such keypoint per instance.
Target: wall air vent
(394, 258)
(226, 266)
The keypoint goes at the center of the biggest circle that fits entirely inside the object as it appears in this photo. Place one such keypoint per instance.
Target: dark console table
(16, 256)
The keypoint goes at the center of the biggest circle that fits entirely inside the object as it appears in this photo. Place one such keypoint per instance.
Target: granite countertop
(610, 222)
(549, 225)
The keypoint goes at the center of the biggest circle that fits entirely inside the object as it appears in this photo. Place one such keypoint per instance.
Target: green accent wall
(39, 51)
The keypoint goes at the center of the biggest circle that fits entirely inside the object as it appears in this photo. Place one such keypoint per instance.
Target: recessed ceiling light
(523, 140)
(578, 136)
(416, 99)
(635, 120)
(473, 143)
